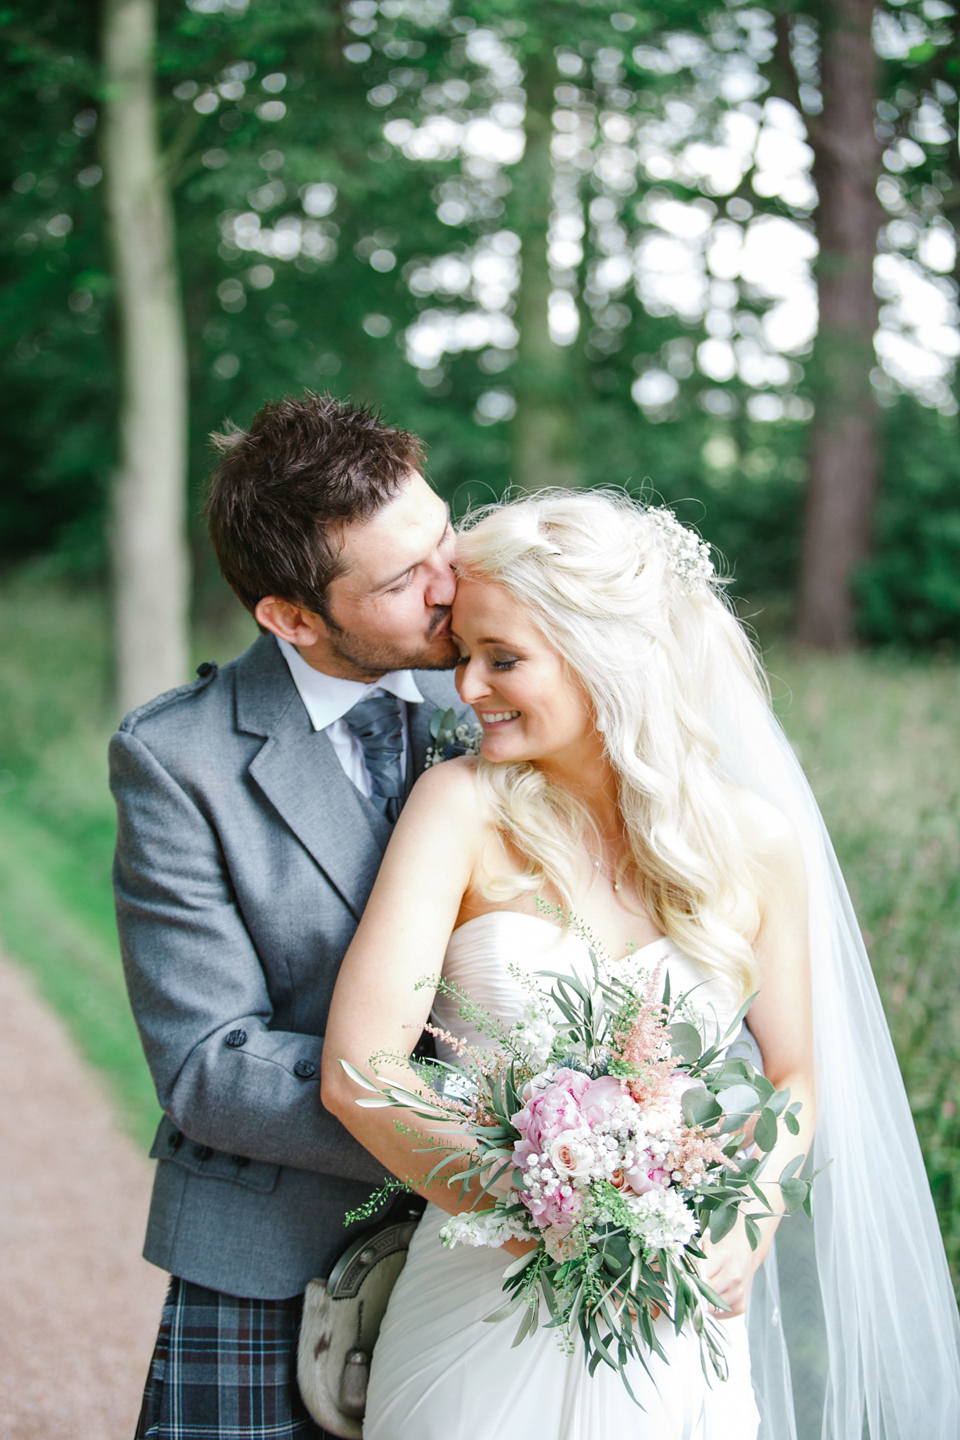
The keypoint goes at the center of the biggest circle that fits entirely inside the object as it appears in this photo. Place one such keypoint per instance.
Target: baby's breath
(688, 557)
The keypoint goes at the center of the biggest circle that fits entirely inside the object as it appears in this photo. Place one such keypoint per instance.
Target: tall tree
(843, 458)
(149, 551)
(543, 428)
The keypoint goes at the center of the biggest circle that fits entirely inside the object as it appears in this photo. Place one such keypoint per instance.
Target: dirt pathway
(78, 1306)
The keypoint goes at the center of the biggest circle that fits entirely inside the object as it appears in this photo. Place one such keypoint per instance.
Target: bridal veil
(853, 1321)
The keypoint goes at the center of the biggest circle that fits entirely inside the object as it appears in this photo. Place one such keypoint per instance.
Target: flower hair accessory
(688, 557)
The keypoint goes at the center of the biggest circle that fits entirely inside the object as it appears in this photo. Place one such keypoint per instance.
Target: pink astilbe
(457, 1043)
(643, 1048)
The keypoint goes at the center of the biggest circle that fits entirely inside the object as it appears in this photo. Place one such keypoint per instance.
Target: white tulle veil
(853, 1322)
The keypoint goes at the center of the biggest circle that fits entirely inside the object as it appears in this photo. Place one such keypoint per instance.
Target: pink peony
(549, 1113)
(557, 1209)
(603, 1098)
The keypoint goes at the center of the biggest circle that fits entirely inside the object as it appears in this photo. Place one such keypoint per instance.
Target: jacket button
(175, 1140)
(202, 1152)
(205, 669)
(304, 1069)
(235, 1039)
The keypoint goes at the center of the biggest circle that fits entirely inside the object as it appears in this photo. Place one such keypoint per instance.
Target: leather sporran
(341, 1321)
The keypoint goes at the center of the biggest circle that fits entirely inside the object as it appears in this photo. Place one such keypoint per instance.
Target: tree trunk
(843, 466)
(149, 552)
(543, 432)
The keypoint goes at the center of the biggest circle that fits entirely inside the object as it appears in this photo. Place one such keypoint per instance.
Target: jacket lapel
(299, 773)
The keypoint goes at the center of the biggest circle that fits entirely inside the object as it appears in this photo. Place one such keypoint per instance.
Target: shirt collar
(328, 698)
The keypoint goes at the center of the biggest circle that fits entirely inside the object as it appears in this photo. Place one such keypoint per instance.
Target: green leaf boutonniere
(451, 739)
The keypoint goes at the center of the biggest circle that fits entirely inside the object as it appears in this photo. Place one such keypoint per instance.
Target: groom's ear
(289, 622)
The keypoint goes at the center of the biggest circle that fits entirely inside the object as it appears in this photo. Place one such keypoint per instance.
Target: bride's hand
(729, 1268)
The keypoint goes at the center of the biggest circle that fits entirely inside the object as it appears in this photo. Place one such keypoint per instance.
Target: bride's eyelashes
(494, 664)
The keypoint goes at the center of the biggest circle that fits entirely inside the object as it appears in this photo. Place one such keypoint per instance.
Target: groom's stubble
(370, 657)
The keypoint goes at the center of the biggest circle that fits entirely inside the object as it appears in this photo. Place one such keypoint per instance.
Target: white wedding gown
(439, 1372)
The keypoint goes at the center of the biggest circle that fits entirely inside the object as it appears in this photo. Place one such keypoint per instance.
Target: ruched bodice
(439, 1371)
(487, 954)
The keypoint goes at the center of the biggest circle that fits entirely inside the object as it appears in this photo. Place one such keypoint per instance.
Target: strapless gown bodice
(488, 957)
(439, 1371)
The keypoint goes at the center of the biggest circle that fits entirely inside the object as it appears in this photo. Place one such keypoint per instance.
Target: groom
(254, 807)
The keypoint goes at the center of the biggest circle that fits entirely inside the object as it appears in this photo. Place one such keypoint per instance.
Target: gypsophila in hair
(630, 599)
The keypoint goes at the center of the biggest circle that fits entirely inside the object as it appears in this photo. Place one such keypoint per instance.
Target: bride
(631, 773)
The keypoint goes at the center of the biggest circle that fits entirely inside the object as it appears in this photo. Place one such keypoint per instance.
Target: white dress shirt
(327, 699)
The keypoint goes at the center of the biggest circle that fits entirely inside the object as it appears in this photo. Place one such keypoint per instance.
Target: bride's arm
(781, 1019)
(377, 1007)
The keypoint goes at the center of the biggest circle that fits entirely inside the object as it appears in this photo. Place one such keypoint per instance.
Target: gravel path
(78, 1306)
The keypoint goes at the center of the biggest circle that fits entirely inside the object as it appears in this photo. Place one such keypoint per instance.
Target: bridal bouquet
(609, 1128)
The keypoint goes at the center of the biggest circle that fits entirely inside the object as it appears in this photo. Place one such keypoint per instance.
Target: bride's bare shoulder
(451, 790)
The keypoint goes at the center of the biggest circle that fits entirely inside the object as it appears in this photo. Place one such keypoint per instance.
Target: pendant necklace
(606, 873)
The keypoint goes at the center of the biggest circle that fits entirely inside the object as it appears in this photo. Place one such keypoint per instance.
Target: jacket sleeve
(198, 990)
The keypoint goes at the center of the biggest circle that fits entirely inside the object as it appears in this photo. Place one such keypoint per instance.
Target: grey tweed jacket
(244, 859)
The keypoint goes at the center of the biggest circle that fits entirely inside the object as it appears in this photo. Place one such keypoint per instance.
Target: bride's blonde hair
(628, 598)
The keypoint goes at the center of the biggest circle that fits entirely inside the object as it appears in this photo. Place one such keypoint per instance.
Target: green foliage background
(306, 327)
(876, 731)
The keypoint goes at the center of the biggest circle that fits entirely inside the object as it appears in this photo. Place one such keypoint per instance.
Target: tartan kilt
(225, 1369)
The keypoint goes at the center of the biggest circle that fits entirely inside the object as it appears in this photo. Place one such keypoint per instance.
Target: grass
(876, 734)
(57, 823)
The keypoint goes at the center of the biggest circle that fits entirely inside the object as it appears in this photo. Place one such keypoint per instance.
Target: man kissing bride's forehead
(326, 529)
(291, 864)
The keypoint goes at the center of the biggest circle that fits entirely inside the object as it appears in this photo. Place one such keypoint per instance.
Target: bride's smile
(523, 696)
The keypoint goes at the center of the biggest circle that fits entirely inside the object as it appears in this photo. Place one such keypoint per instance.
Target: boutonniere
(451, 739)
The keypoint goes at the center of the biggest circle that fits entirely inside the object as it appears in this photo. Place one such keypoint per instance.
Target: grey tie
(378, 726)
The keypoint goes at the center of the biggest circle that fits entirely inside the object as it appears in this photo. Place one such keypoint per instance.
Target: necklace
(604, 870)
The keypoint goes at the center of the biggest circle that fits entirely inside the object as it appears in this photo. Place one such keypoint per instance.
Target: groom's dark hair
(283, 489)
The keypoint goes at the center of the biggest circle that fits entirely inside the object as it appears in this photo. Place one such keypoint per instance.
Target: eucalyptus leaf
(765, 1130)
(792, 1123)
(779, 1101)
(794, 1193)
(739, 1100)
(699, 1106)
(722, 1222)
(687, 1041)
(791, 1168)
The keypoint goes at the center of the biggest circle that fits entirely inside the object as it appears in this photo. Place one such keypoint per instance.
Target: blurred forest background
(704, 250)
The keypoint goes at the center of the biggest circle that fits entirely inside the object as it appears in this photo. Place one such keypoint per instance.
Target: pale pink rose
(559, 1243)
(571, 1156)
